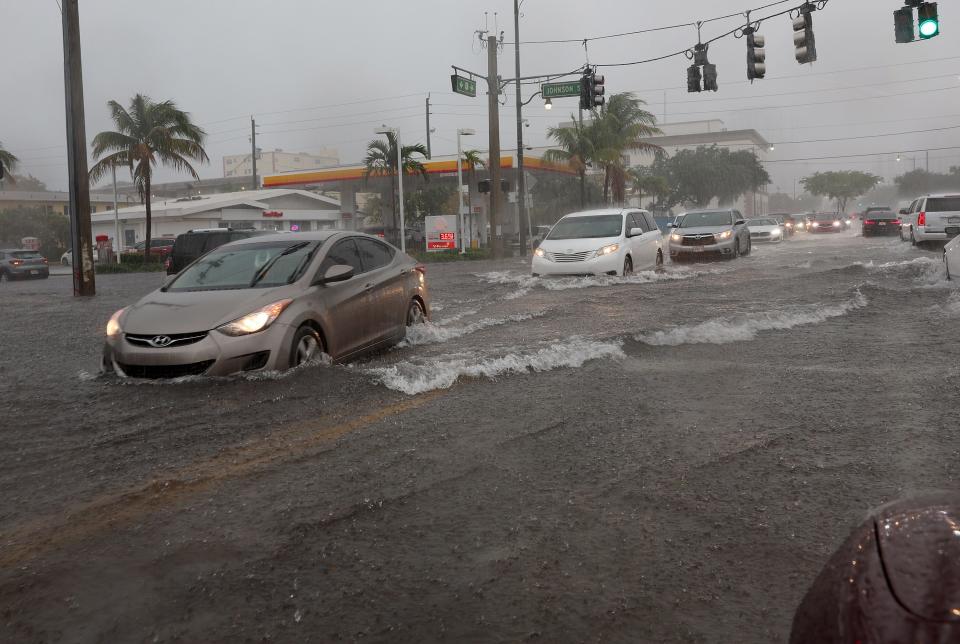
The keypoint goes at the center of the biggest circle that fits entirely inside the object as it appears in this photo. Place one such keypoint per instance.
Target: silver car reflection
(270, 303)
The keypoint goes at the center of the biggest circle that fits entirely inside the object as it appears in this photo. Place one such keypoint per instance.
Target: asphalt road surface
(661, 458)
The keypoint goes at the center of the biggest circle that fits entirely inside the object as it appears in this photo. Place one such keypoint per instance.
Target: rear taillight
(16, 262)
(922, 219)
(869, 222)
(895, 222)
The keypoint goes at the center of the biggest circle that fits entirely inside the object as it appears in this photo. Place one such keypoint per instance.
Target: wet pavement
(665, 458)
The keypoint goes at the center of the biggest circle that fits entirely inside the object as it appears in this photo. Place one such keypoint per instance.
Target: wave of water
(743, 328)
(433, 333)
(525, 282)
(411, 378)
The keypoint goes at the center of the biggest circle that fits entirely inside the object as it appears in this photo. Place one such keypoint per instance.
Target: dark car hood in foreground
(191, 311)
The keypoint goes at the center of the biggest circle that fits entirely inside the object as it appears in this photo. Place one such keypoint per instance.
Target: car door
(640, 245)
(345, 306)
(386, 283)
(742, 230)
(656, 238)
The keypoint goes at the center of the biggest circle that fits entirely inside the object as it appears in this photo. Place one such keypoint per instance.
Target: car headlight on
(608, 250)
(775, 233)
(113, 326)
(676, 237)
(539, 252)
(837, 224)
(727, 234)
(849, 221)
(256, 321)
(789, 225)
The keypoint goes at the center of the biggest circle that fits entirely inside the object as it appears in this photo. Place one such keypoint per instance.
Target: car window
(712, 218)
(651, 222)
(639, 221)
(943, 204)
(244, 266)
(216, 240)
(594, 226)
(343, 252)
(915, 206)
(374, 254)
(188, 245)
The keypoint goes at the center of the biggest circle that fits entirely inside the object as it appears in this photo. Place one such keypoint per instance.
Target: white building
(278, 209)
(241, 165)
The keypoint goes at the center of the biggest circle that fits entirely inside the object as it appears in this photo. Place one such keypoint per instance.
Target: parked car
(765, 229)
(825, 222)
(158, 246)
(17, 263)
(270, 303)
(195, 243)
(951, 257)
(600, 242)
(931, 219)
(880, 221)
(722, 233)
(67, 258)
(895, 579)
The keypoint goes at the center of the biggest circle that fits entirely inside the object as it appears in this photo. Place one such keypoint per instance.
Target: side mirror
(739, 222)
(635, 232)
(671, 225)
(337, 273)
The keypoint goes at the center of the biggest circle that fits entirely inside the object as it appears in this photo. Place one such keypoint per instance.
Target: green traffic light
(928, 19)
(929, 28)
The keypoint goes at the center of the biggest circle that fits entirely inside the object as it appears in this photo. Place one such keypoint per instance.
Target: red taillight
(869, 222)
(45, 261)
(16, 262)
(922, 219)
(895, 222)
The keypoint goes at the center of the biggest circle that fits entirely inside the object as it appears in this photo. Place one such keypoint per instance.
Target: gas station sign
(441, 233)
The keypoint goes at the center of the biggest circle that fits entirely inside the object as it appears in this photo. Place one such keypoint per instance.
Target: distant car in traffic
(787, 231)
(600, 242)
(931, 219)
(795, 223)
(67, 258)
(159, 247)
(270, 303)
(700, 233)
(880, 220)
(825, 222)
(195, 243)
(765, 229)
(951, 257)
(23, 263)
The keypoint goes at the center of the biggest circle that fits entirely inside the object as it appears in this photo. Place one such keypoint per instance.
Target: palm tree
(381, 160)
(148, 134)
(621, 125)
(8, 163)
(577, 147)
(644, 182)
(471, 161)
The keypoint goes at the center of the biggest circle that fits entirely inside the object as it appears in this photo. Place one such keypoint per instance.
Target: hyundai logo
(160, 341)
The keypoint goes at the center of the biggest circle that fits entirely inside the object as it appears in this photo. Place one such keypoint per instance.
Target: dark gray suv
(23, 262)
(717, 232)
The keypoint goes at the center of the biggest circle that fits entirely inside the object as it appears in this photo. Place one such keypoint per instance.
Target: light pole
(396, 137)
(116, 214)
(462, 219)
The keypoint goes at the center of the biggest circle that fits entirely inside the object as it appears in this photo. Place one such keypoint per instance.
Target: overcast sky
(289, 62)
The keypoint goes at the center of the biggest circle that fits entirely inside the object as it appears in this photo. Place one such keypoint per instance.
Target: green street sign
(560, 90)
(465, 86)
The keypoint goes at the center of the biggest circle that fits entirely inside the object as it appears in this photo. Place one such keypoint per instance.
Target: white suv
(931, 218)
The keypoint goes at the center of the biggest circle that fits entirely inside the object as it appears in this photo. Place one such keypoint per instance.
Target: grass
(450, 255)
(130, 267)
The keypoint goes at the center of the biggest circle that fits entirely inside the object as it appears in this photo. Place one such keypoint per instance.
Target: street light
(462, 215)
(396, 137)
(548, 104)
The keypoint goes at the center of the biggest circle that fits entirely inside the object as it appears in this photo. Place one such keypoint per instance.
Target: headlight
(789, 225)
(849, 221)
(607, 250)
(727, 234)
(256, 321)
(539, 252)
(836, 224)
(113, 326)
(676, 237)
(775, 233)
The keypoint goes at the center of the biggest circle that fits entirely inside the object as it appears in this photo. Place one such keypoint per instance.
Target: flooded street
(664, 457)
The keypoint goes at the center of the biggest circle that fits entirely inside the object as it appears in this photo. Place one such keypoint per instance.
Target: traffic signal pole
(522, 213)
(493, 96)
(81, 236)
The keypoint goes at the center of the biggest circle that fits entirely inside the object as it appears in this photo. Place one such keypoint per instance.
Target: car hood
(193, 311)
(577, 245)
(763, 229)
(702, 230)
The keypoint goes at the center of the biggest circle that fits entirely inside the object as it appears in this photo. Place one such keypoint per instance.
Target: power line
(857, 156)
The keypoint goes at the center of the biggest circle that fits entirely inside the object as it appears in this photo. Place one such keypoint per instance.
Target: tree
(840, 185)
(555, 195)
(577, 148)
(148, 134)
(918, 182)
(782, 202)
(381, 160)
(644, 182)
(53, 230)
(433, 200)
(471, 161)
(8, 163)
(28, 183)
(619, 126)
(699, 176)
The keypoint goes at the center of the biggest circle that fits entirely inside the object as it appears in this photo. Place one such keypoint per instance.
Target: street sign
(465, 86)
(441, 233)
(560, 90)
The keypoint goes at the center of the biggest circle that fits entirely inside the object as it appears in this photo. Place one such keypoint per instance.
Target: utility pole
(493, 95)
(116, 214)
(253, 152)
(81, 237)
(522, 213)
(429, 153)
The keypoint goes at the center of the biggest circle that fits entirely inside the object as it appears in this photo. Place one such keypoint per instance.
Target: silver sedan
(270, 303)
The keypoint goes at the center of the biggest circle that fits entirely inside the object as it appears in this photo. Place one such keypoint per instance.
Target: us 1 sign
(441, 233)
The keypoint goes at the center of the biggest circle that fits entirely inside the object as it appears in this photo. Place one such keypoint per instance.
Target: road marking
(295, 440)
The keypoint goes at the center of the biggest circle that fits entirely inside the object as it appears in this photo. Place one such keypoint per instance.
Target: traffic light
(585, 91)
(928, 20)
(693, 79)
(803, 39)
(709, 78)
(756, 54)
(597, 91)
(903, 24)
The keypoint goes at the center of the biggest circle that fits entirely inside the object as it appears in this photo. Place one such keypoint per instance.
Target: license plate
(34, 272)
(881, 224)
(698, 249)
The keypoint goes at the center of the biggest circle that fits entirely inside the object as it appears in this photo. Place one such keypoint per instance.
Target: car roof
(941, 195)
(321, 235)
(602, 211)
(689, 212)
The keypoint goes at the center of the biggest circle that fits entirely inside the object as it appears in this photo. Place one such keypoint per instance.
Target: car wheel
(736, 250)
(913, 238)
(627, 266)
(306, 346)
(415, 314)
(946, 265)
(749, 247)
(659, 265)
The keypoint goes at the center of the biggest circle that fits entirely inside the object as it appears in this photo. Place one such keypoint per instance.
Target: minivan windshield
(699, 219)
(259, 265)
(587, 227)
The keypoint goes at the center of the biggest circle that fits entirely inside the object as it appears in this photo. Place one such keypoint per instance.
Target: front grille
(166, 371)
(698, 240)
(759, 235)
(176, 339)
(569, 257)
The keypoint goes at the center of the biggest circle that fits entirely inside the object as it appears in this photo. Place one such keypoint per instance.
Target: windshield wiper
(260, 274)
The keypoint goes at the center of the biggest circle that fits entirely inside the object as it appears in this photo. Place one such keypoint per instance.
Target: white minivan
(600, 242)
(931, 218)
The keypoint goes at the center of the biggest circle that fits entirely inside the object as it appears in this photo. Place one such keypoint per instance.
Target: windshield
(705, 219)
(587, 227)
(245, 266)
(26, 254)
(763, 222)
(825, 217)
